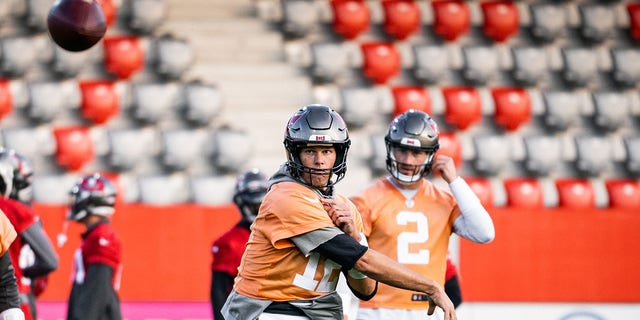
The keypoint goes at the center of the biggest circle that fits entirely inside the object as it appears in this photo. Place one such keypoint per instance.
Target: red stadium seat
(350, 17)
(501, 19)
(450, 146)
(407, 97)
(482, 188)
(634, 19)
(110, 11)
(623, 193)
(6, 98)
(100, 101)
(452, 18)
(74, 147)
(512, 107)
(381, 61)
(575, 193)
(123, 56)
(463, 106)
(524, 193)
(401, 18)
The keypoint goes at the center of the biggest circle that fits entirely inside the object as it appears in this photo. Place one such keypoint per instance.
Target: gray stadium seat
(17, 55)
(202, 102)
(580, 65)
(184, 148)
(164, 189)
(145, 16)
(35, 15)
(480, 64)
(153, 102)
(530, 64)
(492, 154)
(53, 189)
(377, 162)
(299, 17)
(68, 64)
(359, 105)
(548, 21)
(431, 62)
(542, 154)
(611, 109)
(329, 61)
(130, 148)
(171, 56)
(593, 155)
(632, 162)
(626, 66)
(598, 22)
(232, 149)
(49, 99)
(562, 109)
(212, 190)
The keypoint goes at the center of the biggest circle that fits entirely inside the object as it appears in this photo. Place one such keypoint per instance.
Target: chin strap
(12, 314)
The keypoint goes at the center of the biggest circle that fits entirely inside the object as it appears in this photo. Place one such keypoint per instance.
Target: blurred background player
(97, 263)
(250, 189)
(452, 284)
(409, 219)
(32, 253)
(9, 299)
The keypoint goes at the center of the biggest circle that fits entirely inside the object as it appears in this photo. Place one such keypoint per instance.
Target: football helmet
(250, 189)
(415, 130)
(316, 124)
(6, 177)
(93, 194)
(22, 175)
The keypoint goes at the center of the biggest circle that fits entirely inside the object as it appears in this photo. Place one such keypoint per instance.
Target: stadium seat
(49, 99)
(633, 9)
(145, 16)
(32, 142)
(154, 101)
(299, 17)
(626, 66)
(548, 21)
(74, 147)
(163, 190)
(109, 10)
(530, 65)
(35, 14)
(611, 109)
(524, 193)
(5, 11)
(67, 64)
(350, 17)
(407, 97)
(129, 148)
(623, 193)
(402, 18)
(431, 62)
(481, 64)
(100, 101)
(598, 22)
(575, 193)
(542, 154)
(492, 154)
(481, 186)
(562, 109)
(232, 149)
(580, 65)
(451, 18)
(450, 146)
(381, 61)
(512, 107)
(378, 159)
(172, 56)
(53, 189)
(501, 19)
(463, 106)
(632, 147)
(183, 148)
(123, 56)
(18, 55)
(329, 61)
(202, 102)
(6, 98)
(593, 155)
(359, 105)
(212, 190)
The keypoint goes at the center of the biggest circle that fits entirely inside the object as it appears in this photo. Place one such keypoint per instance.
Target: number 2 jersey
(414, 232)
(272, 267)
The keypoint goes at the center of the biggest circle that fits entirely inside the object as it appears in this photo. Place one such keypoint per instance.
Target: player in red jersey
(305, 235)
(9, 299)
(97, 263)
(452, 284)
(250, 188)
(409, 219)
(32, 241)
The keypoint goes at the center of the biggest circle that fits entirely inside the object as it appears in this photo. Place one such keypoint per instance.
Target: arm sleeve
(46, 259)
(221, 284)
(474, 223)
(8, 286)
(96, 294)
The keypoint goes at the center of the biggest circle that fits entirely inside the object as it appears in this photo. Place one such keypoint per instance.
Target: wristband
(353, 273)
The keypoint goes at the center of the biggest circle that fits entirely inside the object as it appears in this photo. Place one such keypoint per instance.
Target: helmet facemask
(419, 172)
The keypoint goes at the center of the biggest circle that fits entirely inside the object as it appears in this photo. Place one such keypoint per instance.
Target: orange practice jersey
(414, 233)
(272, 267)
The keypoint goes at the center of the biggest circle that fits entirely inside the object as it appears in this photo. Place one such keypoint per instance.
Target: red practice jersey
(228, 249)
(99, 245)
(413, 232)
(22, 217)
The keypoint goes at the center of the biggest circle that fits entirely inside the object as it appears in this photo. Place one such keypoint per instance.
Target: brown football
(76, 25)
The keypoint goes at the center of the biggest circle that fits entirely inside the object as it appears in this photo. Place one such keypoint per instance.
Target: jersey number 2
(405, 239)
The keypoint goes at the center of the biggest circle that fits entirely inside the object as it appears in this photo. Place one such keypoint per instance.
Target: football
(76, 25)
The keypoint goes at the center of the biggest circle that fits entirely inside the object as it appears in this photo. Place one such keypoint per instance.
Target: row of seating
(499, 20)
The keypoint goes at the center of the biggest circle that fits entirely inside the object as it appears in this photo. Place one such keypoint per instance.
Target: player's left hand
(446, 167)
(341, 215)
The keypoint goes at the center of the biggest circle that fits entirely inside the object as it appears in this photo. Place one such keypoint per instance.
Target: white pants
(398, 314)
(275, 316)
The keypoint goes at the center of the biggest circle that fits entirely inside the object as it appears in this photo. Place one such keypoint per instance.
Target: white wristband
(353, 273)
(12, 314)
